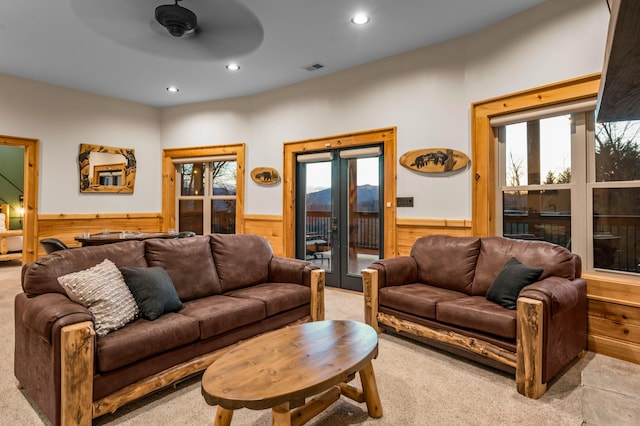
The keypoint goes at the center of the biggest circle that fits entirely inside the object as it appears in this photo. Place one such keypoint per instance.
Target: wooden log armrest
(529, 347)
(317, 294)
(47, 313)
(76, 370)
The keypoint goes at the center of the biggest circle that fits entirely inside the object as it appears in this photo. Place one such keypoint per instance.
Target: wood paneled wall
(409, 230)
(267, 226)
(67, 226)
(614, 316)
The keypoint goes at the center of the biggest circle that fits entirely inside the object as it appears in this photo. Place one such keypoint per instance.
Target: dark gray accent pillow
(513, 278)
(152, 290)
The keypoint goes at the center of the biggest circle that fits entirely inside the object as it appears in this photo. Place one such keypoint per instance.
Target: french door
(339, 221)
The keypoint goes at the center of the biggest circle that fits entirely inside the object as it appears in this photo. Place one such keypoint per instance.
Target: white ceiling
(56, 42)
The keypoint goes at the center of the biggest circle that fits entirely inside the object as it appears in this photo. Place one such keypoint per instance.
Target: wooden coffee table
(281, 369)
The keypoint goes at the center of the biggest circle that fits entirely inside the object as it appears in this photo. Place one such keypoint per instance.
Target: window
(206, 199)
(565, 179)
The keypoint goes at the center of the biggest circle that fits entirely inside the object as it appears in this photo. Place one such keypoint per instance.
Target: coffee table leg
(281, 415)
(370, 389)
(223, 417)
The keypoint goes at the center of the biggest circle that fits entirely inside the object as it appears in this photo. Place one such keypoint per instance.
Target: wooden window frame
(484, 159)
(169, 179)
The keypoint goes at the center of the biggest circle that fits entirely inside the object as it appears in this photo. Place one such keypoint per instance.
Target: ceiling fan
(207, 30)
(176, 19)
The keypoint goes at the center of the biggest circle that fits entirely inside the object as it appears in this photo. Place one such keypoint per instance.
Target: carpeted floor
(418, 385)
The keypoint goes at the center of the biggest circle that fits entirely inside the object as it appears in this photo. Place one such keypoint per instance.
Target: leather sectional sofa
(230, 288)
(465, 295)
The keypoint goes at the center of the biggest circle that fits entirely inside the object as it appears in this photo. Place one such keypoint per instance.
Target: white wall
(62, 119)
(425, 93)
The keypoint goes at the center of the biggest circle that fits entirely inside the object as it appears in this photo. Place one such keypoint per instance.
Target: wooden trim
(434, 223)
(169, 183)
(386, 136)
(76, 373)
(530, 348)
(483, 146)
(30, 189)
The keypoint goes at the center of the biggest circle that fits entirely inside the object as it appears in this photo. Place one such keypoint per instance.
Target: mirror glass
(106, 169)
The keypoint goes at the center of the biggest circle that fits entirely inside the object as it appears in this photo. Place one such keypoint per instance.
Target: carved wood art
(434, 160)
(118, 167)
(265, 176)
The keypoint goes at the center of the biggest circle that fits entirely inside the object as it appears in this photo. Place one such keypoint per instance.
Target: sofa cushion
(277, 297)
(149, 338)
(417, 299)
(242, 260)
(446, 261)
(102, 290)
(153, 291)
(478, 313)
(496, 251)
(219, 314)
(40, 277)
(513, 278)
(188, 262)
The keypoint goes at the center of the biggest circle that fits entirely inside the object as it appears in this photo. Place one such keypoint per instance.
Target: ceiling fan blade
(226, 28)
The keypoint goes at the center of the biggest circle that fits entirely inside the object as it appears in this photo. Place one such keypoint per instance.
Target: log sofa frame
(77, 364)
(527, 360)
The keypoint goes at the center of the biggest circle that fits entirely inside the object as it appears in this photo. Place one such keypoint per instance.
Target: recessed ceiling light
(233, 67)
(172, 89)
(360, 19)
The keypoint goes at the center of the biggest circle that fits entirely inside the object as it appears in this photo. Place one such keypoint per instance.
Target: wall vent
(313, 67)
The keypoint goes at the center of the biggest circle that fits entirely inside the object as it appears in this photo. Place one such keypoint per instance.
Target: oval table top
(289, 364)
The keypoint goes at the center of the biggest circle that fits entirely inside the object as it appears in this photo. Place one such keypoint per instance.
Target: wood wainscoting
(614, 316)
(268, 226)
(67, 226)
(409, 230)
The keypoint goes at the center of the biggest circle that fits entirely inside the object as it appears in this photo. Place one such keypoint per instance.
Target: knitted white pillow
(103, 291)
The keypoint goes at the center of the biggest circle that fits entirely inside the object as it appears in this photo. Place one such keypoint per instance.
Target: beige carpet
(418, 385)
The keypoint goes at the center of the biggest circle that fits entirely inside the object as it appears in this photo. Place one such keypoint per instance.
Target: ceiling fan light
(176, 19)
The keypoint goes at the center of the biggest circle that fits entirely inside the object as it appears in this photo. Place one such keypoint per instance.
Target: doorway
(30, 198)
(339, 212)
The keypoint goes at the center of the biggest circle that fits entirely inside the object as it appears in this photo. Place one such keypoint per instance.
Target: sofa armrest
(48, 313)
(396, 271)
(558, 294)
(287, 270)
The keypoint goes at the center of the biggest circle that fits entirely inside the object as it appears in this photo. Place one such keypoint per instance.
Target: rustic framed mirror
(106, 169)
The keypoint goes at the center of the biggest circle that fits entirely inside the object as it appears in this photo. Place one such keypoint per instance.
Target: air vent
(313, 67)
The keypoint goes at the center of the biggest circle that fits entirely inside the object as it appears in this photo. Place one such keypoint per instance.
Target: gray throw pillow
(153, 291)
(513, 278)
(102, 290)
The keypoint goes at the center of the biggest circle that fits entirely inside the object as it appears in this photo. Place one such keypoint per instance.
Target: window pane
(223, 216)
(617, 147)
(538, 215)
(191, 179)
(190, 219)
(616, 228)
(223, 177)
(538, 152)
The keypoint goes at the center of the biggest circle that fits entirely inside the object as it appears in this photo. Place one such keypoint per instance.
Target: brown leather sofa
(438, 295)
(232, 288)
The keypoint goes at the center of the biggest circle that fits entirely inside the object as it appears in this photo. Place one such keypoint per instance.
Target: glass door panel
(363, 213)
(319, 218)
